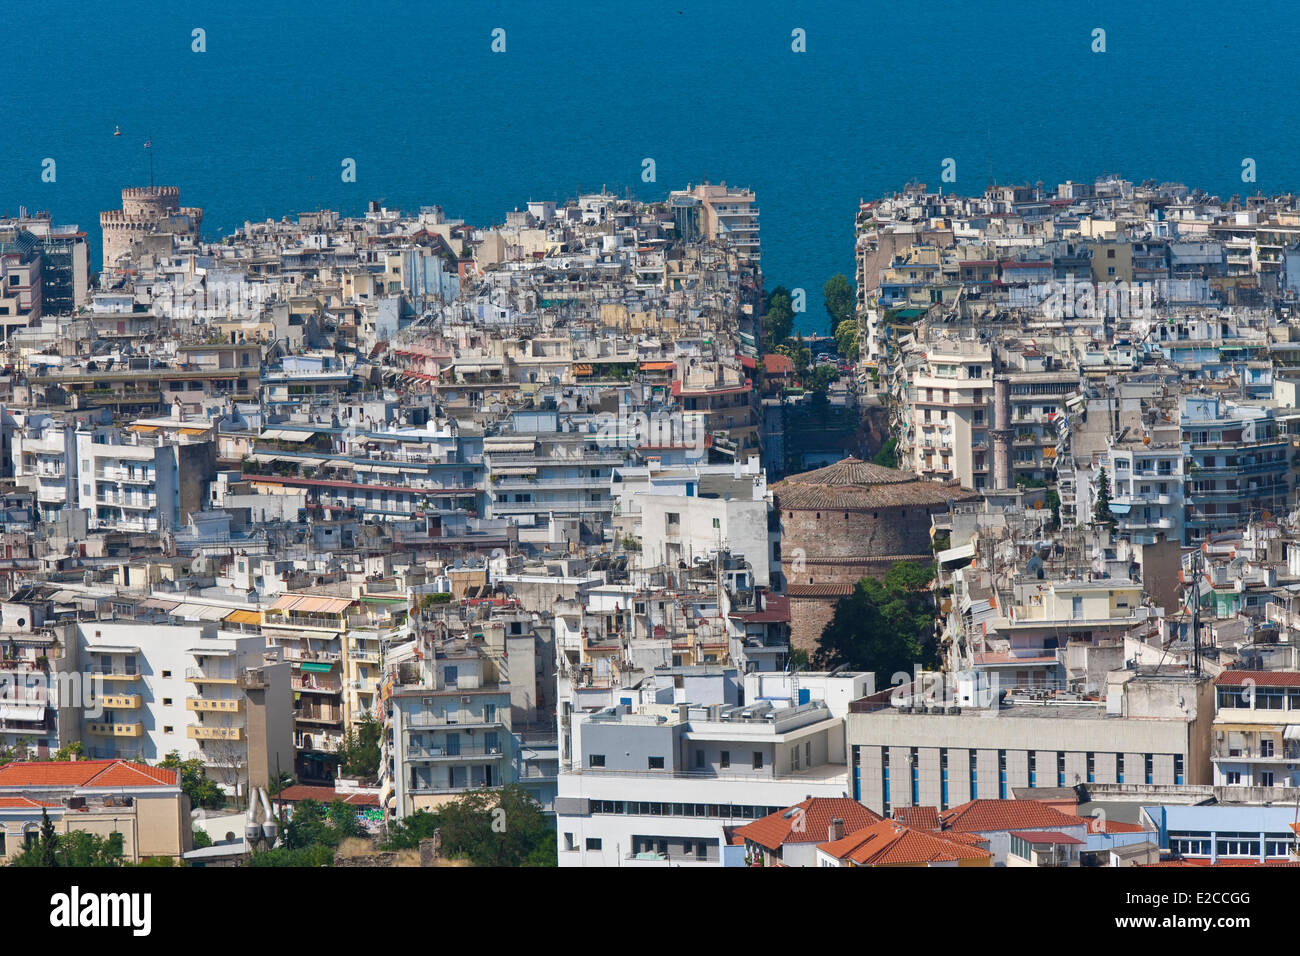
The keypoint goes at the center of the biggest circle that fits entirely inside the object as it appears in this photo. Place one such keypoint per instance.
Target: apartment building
(1256, 742)
(311, 632)
(141, 481)
(1146, 729)
(449, 728)
(45, 461)
(1238, 464)
(694, 770)
(159, 688)
(944, 412)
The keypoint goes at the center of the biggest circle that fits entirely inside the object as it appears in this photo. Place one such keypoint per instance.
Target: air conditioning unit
(464, 700)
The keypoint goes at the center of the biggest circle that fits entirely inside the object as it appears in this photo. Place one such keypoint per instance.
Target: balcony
(316, 685)
(114, 673)
(441, 753)
(199, 675)
(215, 733)
(121, 701)
(461, 719)
(210, 705)
(318, 715)
(116, 730)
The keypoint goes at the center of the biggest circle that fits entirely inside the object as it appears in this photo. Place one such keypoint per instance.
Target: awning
(520, 470)
(243, 617)
(516, 446)
(277, 434)
(19, 712)
(1292, 732)
(317, 668)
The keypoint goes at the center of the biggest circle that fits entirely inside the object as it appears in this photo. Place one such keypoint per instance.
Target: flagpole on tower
(148, 144)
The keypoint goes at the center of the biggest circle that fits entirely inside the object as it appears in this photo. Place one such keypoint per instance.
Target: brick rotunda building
(848, 521)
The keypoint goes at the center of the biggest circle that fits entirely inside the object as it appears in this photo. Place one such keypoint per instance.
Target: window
(758, 760)
(656, 763)
(699, 759)
(1266, 778)
(724, 759)
(1092, 767)
(596, 760)
(1119, 768)
(794, 757)
(717, 523)
(169, 730)
(166, 674)
(167, 701)
(593, 843)
(1149, 769)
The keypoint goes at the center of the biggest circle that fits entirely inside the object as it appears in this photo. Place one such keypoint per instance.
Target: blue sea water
(259, 124)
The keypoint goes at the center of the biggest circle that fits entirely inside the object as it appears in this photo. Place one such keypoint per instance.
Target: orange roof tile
(24, 803)
(891, 843)
(813, 824)
(919, 818)
(984, 816)
(84, 773)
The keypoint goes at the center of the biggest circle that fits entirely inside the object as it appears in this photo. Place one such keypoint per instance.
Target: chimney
(836, 831)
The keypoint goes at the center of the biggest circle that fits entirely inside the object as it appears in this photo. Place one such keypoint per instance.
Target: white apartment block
(190, 689)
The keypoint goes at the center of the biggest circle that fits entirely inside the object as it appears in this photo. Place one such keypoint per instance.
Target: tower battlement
(146, 210)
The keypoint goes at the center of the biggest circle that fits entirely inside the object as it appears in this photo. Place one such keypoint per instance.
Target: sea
(814, 106)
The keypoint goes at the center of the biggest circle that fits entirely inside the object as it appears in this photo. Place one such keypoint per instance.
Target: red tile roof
(24, 803)
(985, 816)
(1261, 678)
(326, 795)
(920, 818)
(891, 843)
(811, 826)
(1044, 836)
(84, 773)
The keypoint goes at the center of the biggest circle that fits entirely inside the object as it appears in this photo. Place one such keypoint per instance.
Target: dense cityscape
(397, 540)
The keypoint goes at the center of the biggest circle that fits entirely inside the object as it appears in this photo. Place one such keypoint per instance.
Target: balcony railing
(441, 753)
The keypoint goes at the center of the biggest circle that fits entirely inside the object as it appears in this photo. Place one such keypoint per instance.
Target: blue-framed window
(1119, 768)
(943, 779)
(1033, 769)
(884, 779)
(1178, 769)
(974, 777)
(1149, 769)
(1060, 768)
(1092, 767)
(916, 777)
(1002, 774)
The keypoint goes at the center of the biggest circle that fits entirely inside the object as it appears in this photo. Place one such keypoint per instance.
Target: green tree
(838, 295)
(75, 849)
(821, 377)
(883, 626)
(201, 791)
(1101, 513)
(71, 751)
(846, 339)
(801, 356)
(888, 455)
(359, 752)
(778, 318)
(49, 843)
(503, 827)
